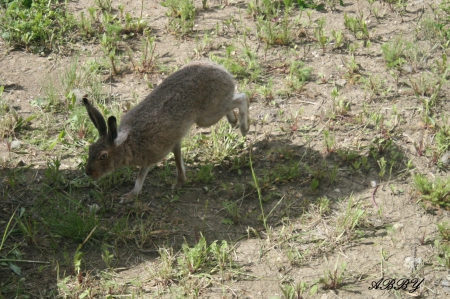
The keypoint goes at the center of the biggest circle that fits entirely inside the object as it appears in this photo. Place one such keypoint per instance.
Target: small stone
(341, 82)
(398, 225)
(446, 158)
(94, 208)
(406, 68)
(412, 263)
(15, 144)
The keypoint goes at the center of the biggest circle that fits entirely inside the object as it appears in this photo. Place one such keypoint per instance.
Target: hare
(200, 93)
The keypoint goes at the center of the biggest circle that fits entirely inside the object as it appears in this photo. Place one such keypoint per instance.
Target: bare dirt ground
(338, 238)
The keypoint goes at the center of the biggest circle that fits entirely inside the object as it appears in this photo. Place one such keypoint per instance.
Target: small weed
(266, 91)
(443, 255)
(424, 85)
(52, 173)
(147, 61)
(107, 256)
(65, 217)
(203, 258)
(329, 141)
(444, 231)
(244, 66)
(273, 28)
(333, 279)
(339, 38)
(319, 34)
(437, 192)
(294, 291)
(352, 217)
(393, 52)
(11, 122)
(357, 26)
(298, 75)
(374, 86)
(233, 211)
(352, 69)
(205, 174)
(181, 15)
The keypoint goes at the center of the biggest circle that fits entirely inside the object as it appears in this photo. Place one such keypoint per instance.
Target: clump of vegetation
(181, 15)
(437, 192)
(40, 24)
(244, 66)
(393, 52)
(11, 122)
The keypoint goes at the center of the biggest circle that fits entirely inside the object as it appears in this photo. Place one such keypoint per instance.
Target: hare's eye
(103, 156)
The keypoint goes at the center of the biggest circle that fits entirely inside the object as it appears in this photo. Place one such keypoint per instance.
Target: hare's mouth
(94, 174)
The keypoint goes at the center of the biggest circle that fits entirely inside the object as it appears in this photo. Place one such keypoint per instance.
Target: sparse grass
(181, 15)
(243, 66)
(333, 279)
(11, 122)
(437, 192)
(393, 52)
(329, 127)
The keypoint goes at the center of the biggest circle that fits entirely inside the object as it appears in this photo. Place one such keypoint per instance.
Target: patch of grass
(203, 258)
(333, 279)
(67, 218)
(279, 174)
(181, 15)
(273, 24)
(233, 212)
(357, 26)
(36, 25)
(349, 220)
(443, 136)
(444, 230)
(244, 66)
(298, 75)
(11, 122)
(205, 174)
(436, 192)
(224, 142)
(393, 52)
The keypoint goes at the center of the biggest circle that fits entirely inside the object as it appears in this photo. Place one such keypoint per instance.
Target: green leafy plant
(393, 52)
(437, 192)
(333, 279)
(233, 211)
(181, 15)
(243, 66)
(36, 25)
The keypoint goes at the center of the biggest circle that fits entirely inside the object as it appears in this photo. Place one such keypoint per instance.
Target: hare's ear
(112, 129)
(96, 117)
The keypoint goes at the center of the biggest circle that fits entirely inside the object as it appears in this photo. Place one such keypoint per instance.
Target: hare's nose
(89, 171)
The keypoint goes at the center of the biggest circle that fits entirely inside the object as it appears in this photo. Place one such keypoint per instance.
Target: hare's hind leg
(181, 173)
(242, 103)
(137, 185)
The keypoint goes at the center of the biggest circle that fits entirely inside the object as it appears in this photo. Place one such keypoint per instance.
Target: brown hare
(200, 93)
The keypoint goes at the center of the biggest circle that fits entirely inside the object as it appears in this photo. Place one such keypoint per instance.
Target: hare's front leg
(128, 197)
(181, 172)
(242, 103)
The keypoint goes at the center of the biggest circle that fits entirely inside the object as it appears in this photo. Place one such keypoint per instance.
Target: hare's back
(196, 88)
(198, 83)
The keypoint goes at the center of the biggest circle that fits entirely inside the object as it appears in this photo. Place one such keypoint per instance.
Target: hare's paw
(128, 197)
(180, 182)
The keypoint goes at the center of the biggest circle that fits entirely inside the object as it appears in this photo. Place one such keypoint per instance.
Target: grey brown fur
(200, 93)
